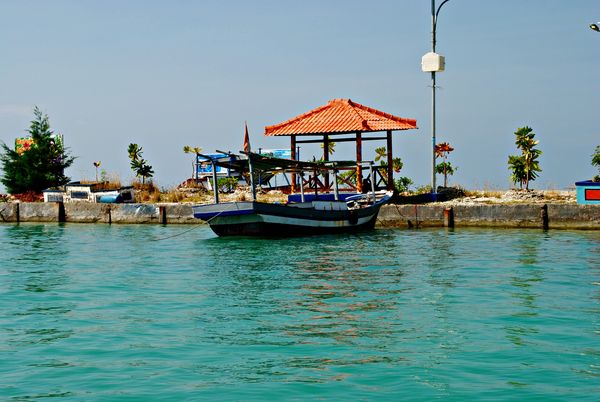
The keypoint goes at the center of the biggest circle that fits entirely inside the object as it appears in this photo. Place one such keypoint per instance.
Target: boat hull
(262, 219)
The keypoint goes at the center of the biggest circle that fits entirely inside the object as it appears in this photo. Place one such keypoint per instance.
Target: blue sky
(165, 74)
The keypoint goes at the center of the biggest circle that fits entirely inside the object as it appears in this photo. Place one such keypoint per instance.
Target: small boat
(253, 218)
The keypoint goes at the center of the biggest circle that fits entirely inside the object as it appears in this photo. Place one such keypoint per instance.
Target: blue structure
(588, 192)
(204, 168)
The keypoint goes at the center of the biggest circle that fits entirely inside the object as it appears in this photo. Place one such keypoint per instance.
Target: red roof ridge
(362, 121)
(384, 114)
(340, 115)
(299, 117)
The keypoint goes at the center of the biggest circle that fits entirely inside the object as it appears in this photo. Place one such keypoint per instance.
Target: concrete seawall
(552, 216)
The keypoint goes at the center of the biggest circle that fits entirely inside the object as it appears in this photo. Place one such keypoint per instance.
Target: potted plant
(588, 191)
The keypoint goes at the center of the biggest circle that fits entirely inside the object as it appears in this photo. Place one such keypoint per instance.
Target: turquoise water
(99, 312)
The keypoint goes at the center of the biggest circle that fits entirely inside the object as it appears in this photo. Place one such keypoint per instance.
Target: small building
(588, 192)
(89, 192)
(54, 195)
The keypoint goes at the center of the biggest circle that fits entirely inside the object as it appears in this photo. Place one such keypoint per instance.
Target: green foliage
(596, 162)
(442, 150)
(191, 150)
(227, 184)
(39, 167)
(446, 169)
(397, 165)
(330, 147)
(517, 165)
(402, 184)
(381, 156)
(347, 176)
(426, 189)
(525, 167)
(188, 149)
(139, 164)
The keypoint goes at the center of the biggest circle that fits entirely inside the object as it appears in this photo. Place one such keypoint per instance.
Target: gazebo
(347, 118)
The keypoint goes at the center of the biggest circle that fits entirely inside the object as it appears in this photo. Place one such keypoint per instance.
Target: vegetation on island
(446, 168)
(525, 167)
(97, 165)
(596, 162)
(401, 184)
(139, 165)
(188, 149)
(38, 162)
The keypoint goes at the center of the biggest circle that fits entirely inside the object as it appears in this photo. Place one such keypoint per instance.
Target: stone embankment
(545, 216)
(83, 212)
(521, 215)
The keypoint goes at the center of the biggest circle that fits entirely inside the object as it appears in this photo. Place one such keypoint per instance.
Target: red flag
(246, 139)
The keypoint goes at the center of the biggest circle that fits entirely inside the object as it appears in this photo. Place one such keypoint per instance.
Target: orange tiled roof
(341, 116)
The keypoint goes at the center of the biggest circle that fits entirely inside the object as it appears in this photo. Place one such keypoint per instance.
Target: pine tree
(39, 166)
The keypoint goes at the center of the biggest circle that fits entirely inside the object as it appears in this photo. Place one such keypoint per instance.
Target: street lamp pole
(434, 17)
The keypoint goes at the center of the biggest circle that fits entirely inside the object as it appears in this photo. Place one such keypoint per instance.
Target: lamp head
(595, 27)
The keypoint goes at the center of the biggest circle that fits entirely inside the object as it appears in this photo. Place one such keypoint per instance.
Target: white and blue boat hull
(264, 219)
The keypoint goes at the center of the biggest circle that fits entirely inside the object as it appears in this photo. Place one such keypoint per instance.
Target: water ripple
(98, 312)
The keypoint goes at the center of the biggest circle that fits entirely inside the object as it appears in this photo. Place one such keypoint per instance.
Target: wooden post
(372, 175)
(449, 217)
(544, 214)
(162, 214)
(390, 159)
(336, 189)
(359, 188)
(61, 212)
(251, 173)
(293, 152)
(326, 159)
(215, 185)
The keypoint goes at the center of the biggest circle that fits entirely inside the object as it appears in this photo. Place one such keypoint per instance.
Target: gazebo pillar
(390, 162)
(358, 161)
(326, 159)
(294, 156)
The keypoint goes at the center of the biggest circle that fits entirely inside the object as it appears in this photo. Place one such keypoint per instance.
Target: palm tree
(596, 162)
(525, 167)
(441, 151)
(330, 147)
(138, 164)
(193, 150)
(97, 165)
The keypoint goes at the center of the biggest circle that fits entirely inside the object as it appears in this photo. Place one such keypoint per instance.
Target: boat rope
(196, 226)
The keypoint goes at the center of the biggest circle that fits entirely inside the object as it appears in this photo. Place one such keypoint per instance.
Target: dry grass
(110, 181)
(146, 192)
(518, 197)
(484, 193)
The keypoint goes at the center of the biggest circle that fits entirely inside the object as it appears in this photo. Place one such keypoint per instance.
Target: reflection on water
(526, 278)
(34, 257)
